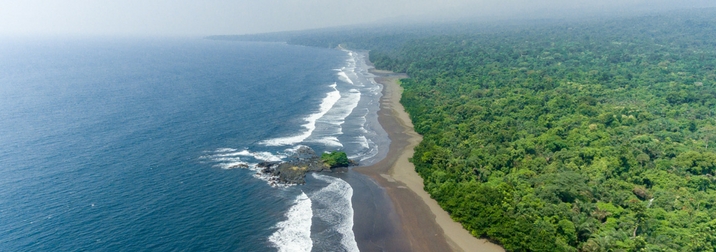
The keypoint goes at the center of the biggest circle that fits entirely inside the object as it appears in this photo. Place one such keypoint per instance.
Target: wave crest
(327, 103)
(294, 234)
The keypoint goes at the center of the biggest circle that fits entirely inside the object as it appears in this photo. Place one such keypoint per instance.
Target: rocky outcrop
(293, 171)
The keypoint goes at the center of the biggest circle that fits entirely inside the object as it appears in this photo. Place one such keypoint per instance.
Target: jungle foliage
(596, 136)
(335, 159)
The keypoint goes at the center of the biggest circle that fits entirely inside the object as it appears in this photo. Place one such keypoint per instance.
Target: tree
(335, 159)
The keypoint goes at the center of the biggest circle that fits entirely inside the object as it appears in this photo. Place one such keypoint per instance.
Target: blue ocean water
(129, 144)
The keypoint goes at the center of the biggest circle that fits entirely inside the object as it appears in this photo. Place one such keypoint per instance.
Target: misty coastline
(467, 125)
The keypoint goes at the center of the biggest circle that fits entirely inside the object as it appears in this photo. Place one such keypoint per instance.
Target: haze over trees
(563, 136)
(590, 137)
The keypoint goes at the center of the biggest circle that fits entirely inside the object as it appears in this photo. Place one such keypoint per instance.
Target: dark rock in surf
(244, 166)
(293, 171)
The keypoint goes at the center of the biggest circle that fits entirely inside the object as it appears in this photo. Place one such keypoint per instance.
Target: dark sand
(423, 225)
(376, 224)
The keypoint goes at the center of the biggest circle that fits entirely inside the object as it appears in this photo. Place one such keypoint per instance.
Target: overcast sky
(210, 17)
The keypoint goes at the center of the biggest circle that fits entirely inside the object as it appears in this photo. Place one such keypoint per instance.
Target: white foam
(325, 125)
(334, 206)
(225, 150)
(245, 152)
(330, 141)
(344, 77)
(226, 159)
(227, 154)
(375, 90)
(293, 149)
(368, 149)
(230, 162)
(372, 151)
(267, 156)
(351, 102)
(261, 155)
(332, 121)
(294, 234)
(363, 141)
(363, 120)
(349, 70)
(327, 103)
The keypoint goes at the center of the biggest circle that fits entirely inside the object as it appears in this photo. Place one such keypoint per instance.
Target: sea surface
(132, 144)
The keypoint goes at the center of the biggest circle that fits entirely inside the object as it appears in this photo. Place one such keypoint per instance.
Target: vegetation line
(589, 137)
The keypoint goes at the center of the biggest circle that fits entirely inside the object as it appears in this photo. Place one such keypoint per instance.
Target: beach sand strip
(427, 226)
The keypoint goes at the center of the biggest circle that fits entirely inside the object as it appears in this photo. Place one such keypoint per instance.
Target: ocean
(119, 144)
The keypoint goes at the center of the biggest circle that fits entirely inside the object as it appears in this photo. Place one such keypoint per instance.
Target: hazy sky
(209, 17)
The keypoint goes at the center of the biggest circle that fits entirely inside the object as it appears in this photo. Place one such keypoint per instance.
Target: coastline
(425, 225)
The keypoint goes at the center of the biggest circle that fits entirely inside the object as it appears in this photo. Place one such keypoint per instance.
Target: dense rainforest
(596, 136)
(592, 135)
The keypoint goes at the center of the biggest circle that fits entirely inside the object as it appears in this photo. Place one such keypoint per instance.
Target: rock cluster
(293, 171)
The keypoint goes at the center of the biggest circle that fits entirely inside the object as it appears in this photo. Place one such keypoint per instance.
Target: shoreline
(425, 225)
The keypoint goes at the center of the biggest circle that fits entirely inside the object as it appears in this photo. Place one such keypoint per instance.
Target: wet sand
(424, 226)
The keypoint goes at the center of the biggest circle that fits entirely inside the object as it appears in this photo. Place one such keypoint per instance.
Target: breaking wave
(294, 234)
(333, 206)
(327, 103)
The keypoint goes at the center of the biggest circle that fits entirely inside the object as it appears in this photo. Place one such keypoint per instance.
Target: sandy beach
(425, 225)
